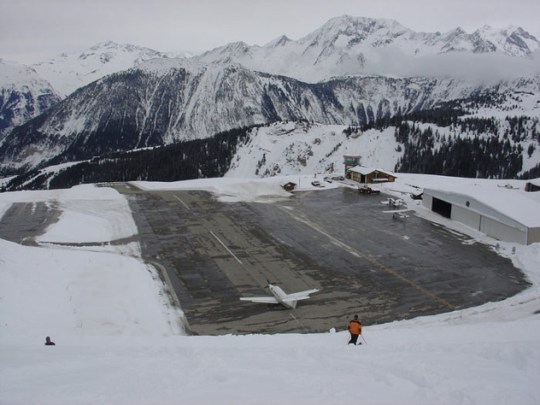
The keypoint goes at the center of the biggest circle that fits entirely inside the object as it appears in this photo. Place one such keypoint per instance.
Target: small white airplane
(280, 297)
(394, 202)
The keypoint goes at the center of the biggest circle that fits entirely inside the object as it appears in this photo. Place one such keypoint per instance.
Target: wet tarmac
(364, 261)
(23, 222)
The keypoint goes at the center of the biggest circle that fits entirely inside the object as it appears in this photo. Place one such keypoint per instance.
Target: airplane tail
(291, 303)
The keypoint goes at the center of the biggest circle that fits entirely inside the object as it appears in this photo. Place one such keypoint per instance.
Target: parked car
(365, 189)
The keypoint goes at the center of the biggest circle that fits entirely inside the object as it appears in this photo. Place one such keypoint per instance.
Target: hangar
(508, 214)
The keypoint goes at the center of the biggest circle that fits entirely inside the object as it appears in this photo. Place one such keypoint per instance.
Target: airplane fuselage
(280, 295)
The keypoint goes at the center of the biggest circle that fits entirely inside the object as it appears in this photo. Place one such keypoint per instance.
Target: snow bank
(89, 289)
(235, 189)
(66, 292)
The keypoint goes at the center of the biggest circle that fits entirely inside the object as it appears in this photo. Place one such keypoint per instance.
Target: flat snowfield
(120, 341)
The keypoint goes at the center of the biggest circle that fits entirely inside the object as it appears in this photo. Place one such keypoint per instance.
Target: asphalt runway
(338, 240)
(23, 222)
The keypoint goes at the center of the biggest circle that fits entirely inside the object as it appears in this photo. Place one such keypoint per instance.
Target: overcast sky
(34, 30)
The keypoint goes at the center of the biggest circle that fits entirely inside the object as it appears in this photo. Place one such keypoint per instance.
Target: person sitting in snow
(355, 329)
(49, 342)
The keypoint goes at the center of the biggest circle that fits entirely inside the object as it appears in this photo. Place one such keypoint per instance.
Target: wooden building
(290, 186)
(532, 186)
(367, 175)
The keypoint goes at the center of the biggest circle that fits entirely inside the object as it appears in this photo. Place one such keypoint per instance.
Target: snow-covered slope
(355, 45)
(288, 148)
(171, 100)
(174, 100)
(69, 71)
(27, 91)
(300, 147)
(23, 95)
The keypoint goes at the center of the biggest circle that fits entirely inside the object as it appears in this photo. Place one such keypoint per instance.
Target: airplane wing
(262, 300)
(301, 295)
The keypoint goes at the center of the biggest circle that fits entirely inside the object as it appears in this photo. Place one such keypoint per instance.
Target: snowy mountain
(165, 100)
(23, 95)
(26, 92)
(355, 45)
(69, 71)
(173, 100)
(289, 148)
(293, 148)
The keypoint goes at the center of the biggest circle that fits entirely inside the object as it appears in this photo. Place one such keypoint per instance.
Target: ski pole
(363, 339)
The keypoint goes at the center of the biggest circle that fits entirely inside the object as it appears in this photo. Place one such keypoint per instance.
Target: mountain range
(137, 98)
(351, 45)
(23, 95)
(70, 71)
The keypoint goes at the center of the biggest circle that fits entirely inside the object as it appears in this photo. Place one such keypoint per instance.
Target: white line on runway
(298, 320)
(185, 205)
(228, 250)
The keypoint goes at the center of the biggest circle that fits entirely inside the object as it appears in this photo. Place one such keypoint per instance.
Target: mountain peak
(106, 44)
(280, 41)
(115, 46)
(350, 24)
(512, 40)
(348, 45)
(69, 71)
(227, 53)
(347, 31)
(16, 75)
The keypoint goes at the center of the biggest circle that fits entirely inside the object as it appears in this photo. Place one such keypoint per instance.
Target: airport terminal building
(511, 216)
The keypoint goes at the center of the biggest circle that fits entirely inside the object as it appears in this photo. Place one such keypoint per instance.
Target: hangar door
(441, 207)
(501, 231)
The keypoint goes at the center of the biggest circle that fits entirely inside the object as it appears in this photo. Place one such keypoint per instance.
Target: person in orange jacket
(355, 329)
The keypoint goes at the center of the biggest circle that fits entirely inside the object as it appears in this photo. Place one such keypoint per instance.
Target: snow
(230, 189)
(295, 147)
(23, 94)
(118, 340)
(14, 75)
(70, 71)
(362, 46)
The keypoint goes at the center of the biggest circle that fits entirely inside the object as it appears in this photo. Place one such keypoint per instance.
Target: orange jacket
(355, 327)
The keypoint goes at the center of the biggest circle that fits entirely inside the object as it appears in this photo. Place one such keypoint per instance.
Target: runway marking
(371, 260)
(179, 199)
(172, 292)
(306, 193)
(228, 250)
(298, 321)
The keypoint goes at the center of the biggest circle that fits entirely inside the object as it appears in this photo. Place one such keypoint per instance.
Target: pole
(363, 339)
